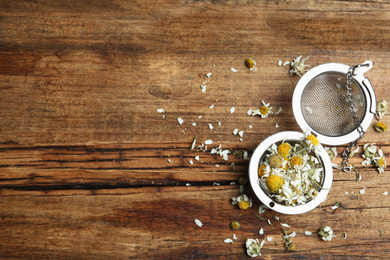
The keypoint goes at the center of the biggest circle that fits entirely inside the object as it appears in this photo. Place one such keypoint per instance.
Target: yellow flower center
(380, 127)
(274, 183)
(243, 204)
(262, 170)
(235, 225)
(381, 162)
(296, 160)
(284, 149)
(264, 110)
(313, 139)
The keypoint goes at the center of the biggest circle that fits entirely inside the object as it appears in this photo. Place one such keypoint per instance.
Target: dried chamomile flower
(253, 247)
(242, 201)
(332, 152)
(235, 225)
(276, 161)
(380, 161)
(311, 140)
(263, 170)
(381, 108)
(274, 183)
(326, 233)
(380, 127)
(250, 63)
(264, 111)
(290, 246)
(284, 149)
(298, 66)
(297, 162)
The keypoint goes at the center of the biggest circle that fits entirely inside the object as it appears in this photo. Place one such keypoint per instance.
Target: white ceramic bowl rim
(264, 198)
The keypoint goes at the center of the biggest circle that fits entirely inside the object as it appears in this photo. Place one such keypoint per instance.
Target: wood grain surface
(90, 170)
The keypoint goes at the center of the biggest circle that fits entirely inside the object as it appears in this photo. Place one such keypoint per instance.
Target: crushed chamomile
(375, 156)
(381, 108)
(253, 247)
(326, 233)
(298, 66)
(290, 172)
(242, 201)
(332, 152)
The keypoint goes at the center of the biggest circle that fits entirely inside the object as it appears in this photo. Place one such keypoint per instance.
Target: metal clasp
(363, 68)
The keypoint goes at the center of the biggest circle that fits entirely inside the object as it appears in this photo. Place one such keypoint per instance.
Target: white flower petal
(198, 222)
(228, 240)
(180, 120)
(207, 142)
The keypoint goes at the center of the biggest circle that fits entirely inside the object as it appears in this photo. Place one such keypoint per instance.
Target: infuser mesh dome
(325, 105)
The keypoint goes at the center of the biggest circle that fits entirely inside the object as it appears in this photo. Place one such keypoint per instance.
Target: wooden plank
(136, 224)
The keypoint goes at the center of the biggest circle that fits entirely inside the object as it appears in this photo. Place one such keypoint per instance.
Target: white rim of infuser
(364, 84)
(264, 198)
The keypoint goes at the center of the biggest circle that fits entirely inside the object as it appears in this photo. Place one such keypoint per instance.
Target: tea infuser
(337, 103)
(260, 153)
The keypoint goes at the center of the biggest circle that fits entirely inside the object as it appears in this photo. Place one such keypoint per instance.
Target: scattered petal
(228, 240)
(261, 231)
(180, 120)
(198, 222)
(207, 142)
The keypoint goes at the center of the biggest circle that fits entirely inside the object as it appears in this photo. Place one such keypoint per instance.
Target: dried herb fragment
(250, 63)
(326, 233)
(380, 127)
(232, 165)
(358, 175)
(193, 144)
(260, 217)
(289, 245)
(235, 225)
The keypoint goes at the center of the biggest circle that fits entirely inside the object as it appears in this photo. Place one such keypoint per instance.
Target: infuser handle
(362, 68)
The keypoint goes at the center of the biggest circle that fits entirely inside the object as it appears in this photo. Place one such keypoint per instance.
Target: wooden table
(91, 170)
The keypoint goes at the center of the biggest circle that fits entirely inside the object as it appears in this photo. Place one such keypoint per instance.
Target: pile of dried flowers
(291, 173)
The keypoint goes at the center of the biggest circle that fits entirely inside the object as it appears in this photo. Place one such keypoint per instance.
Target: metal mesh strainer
(325, 104)
(321, 102)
